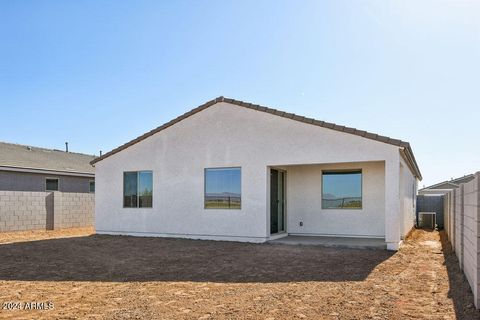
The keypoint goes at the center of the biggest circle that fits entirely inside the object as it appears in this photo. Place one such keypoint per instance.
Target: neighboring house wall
(224, 135)
(45, 210)
(21, 181)
(304, 195)
(463, 212)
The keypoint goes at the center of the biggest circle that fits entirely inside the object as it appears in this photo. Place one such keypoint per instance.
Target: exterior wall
(471, 235)
(448, 216)
(304, 202)
(22, 181)
(408, 196)
(463, 230)
(45, 210)
(225, 135)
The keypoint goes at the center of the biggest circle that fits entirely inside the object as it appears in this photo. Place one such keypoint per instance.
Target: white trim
(186, 236)
(47, 171)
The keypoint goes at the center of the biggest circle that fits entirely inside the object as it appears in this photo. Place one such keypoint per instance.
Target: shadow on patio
(123, 258)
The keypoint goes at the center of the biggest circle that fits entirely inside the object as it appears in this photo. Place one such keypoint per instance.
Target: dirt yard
(85, 276)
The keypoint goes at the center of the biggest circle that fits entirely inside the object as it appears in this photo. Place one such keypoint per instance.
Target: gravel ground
(88, 276)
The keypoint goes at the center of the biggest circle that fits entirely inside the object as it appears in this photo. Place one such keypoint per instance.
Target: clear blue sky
(99, 73)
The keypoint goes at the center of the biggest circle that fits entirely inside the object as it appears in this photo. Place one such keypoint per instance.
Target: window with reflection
(137, 189)
(342, 189)
(145, 183)
(223, 188)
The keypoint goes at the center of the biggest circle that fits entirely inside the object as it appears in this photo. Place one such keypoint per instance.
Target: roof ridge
(362, 133)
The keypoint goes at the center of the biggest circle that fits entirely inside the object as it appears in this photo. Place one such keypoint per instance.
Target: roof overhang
(47, 171)
(412, 163)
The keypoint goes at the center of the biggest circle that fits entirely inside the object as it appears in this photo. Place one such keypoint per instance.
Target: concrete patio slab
(335, 242)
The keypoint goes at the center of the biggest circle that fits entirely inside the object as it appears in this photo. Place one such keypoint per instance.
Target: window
(51, 184)
(342, 189)
(223, 188)
(137, 189)
(91, 186)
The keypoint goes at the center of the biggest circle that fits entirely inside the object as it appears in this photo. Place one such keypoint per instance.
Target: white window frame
(52, 178)
(138, 183)
(326, 171)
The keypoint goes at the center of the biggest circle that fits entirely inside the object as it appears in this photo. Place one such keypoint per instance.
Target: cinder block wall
(74, 210)
(465, 234)
(45, 210)
(458, 213)
(23, 210)
(470, 234)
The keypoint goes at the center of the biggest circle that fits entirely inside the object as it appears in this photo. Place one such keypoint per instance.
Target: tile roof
(368, 135)
(28, 157)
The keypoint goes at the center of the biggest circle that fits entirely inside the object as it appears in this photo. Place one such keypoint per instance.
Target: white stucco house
(231, 170)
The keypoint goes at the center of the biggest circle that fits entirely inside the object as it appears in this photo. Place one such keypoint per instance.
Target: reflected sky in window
(342, 190)
(223, 181)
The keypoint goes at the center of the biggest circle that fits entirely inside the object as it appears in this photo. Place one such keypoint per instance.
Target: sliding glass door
(277, 201)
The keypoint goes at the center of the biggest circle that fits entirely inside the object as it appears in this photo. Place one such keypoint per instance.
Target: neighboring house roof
(464, 179)
(16, 157)
(364, 134)
(433, 192)
(451, 184)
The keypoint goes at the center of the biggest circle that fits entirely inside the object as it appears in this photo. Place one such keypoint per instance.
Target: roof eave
(47, 171)
(411, 160)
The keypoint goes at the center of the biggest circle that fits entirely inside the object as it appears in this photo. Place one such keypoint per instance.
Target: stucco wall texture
(226, 135)
(463, 211)
(22, 181)
(21, 210)
(408, 198)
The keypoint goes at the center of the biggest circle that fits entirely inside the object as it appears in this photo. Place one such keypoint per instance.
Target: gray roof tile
(28, 157)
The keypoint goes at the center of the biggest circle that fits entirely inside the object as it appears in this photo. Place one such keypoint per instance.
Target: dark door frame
(283, 200)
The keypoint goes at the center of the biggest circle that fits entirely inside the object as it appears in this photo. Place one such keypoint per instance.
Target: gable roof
(16, 157)
(451, 184)
(364, 134)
